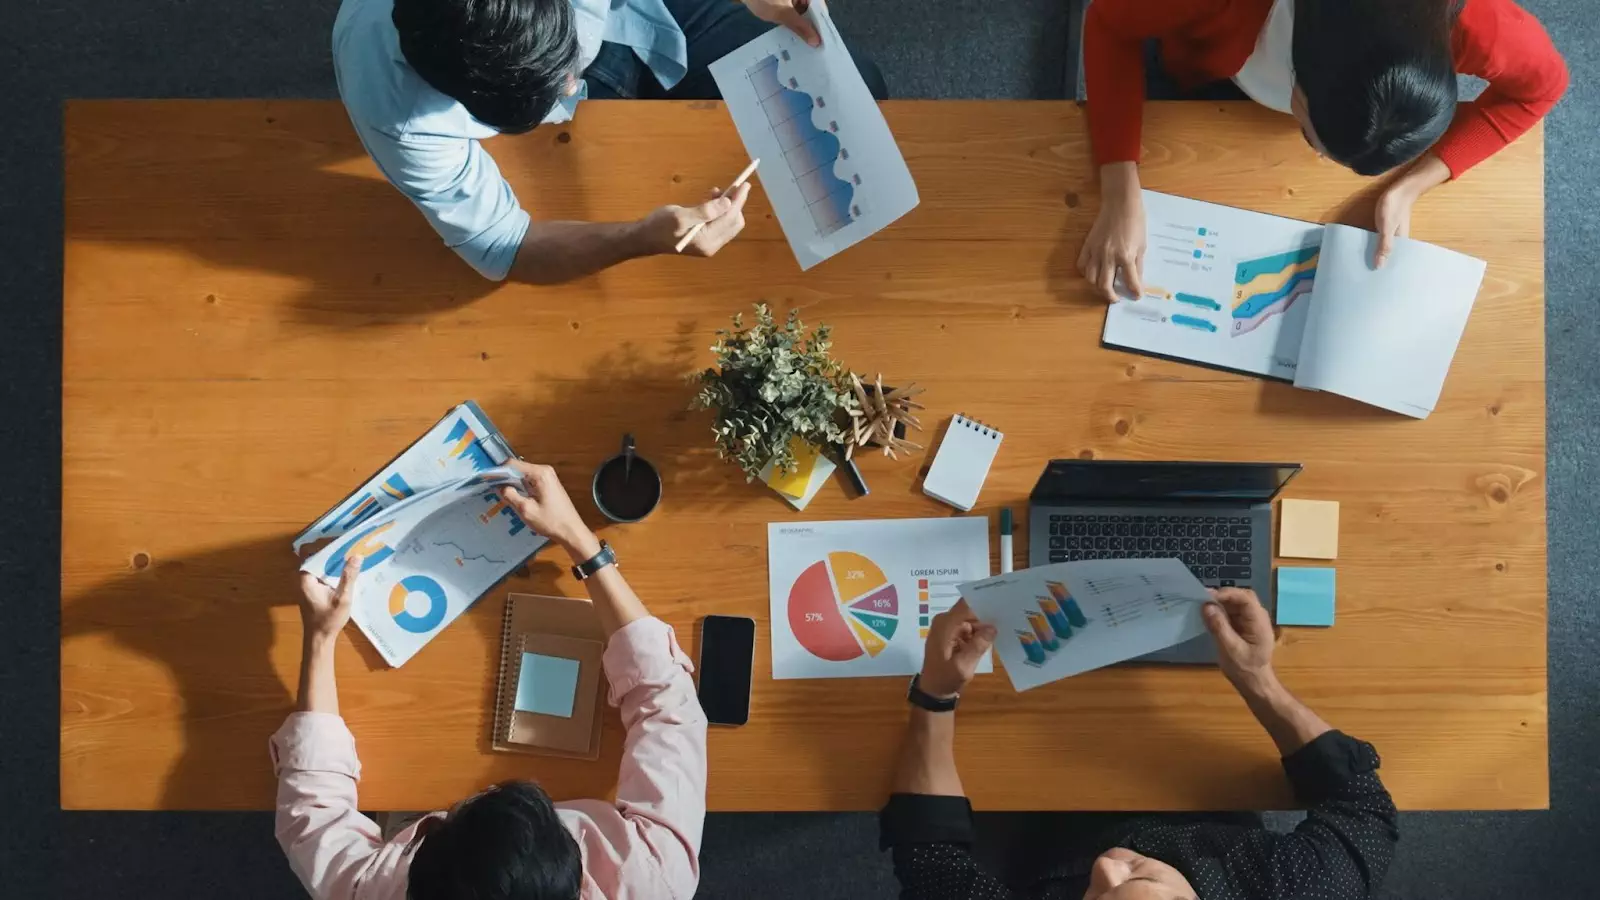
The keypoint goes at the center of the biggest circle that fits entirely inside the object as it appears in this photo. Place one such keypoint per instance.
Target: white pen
(1005, 540)
(743, 176)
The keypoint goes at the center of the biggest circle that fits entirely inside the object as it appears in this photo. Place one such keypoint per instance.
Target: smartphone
(727, 654)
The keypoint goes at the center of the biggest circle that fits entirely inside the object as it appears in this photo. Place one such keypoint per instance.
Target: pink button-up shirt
(645, 845)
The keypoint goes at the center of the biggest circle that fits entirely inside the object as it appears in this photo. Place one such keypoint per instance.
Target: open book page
(1222, 286)
(426, 559)
(1386, 336)
(1060, 620)
(460, 444)
(829, 164)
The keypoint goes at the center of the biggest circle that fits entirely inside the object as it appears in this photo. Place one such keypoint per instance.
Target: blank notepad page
(963, 462)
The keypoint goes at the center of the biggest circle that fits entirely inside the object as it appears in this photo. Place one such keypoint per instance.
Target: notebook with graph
(1297, 302)
(551, 679)
(962, 463)
(433, 534)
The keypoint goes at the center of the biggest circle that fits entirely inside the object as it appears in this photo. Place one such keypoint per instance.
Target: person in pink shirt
(509, 842)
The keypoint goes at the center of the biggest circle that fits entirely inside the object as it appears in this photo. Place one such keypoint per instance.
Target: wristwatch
(587, 568)
(918, 697)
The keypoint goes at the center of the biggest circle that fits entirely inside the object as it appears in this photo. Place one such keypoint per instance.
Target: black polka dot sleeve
(1340, 852)
(931, 842)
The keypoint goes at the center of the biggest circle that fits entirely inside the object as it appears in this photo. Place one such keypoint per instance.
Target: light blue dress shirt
(431, 148)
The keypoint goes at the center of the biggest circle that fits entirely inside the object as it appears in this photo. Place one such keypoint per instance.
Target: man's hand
(325, 610)
(956, 641)
(722, 217)
(544, 506)
(791, 14)
(1116, 242)
(1243, 632)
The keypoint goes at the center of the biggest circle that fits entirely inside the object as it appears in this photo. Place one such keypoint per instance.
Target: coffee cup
(626, 487)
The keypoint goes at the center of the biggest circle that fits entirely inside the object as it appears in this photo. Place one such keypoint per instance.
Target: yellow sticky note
(795, 483)
(1308, 529)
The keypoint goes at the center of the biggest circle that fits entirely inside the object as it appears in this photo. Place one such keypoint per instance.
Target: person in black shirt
(1339, 852)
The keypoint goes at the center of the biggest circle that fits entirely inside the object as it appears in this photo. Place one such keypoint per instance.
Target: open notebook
(548, 692)
(1298, 302)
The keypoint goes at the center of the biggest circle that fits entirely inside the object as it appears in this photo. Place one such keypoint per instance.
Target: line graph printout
(1222, 286)
(426, 558)
(829, 163)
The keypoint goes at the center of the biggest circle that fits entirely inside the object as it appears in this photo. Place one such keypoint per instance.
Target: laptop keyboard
(1216, 548)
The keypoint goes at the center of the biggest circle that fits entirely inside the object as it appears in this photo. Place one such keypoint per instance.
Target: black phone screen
(727, 654)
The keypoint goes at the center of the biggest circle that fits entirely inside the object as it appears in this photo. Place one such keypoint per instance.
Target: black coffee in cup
(626, 487)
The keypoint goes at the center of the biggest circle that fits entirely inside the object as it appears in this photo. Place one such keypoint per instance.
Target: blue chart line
(809, 151)
(1192, 322)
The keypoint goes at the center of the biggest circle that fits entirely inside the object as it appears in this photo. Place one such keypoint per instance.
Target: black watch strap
(606, 557)
(918, 697)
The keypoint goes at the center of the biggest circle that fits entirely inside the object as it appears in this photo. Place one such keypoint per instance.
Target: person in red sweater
(1371, 82)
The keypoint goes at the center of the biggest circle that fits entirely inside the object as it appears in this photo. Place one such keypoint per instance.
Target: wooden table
(255, 321)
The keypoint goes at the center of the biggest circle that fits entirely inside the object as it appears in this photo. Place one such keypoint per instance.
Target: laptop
(1216, 517)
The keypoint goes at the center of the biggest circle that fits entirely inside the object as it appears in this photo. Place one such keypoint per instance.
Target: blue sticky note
(1305, 595)
(547, 685)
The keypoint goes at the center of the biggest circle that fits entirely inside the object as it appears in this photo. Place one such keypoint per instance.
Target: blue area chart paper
(432, 533)
(1222, 286)
(829, 164)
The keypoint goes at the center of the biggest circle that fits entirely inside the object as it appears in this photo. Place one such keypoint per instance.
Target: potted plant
(773, 383)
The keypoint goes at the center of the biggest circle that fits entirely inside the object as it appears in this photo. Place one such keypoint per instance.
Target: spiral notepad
(563, 628)
(962, 463)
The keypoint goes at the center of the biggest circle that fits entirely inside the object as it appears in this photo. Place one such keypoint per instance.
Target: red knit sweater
(1209, 40)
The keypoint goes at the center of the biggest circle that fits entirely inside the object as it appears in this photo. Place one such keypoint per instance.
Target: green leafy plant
(773, 383)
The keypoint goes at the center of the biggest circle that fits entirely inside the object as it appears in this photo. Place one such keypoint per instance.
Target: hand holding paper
(957, 643)
(1061, 620)
(1243, 631)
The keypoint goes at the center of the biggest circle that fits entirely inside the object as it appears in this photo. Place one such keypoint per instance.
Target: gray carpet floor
(50, 51)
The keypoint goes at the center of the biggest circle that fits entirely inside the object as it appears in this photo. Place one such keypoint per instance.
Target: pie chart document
(854, 599)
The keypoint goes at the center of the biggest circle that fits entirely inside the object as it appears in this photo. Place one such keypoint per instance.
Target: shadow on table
(575, 424)
(207, 619)
(1061, 269)
(286, 191)
(1286, 401)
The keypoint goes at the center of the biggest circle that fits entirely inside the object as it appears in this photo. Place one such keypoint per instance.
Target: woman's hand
(1393, 217)
(1116, 243)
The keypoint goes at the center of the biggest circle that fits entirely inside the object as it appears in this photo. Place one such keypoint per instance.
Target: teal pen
(1005, 540)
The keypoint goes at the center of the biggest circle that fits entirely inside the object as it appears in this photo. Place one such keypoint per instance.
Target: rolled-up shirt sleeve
(647, 844)
(460, 191)
(338, 853)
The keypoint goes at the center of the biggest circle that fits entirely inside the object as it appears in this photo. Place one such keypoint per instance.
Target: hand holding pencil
(700, 230)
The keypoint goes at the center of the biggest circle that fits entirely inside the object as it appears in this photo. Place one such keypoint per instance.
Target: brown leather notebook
(565, 630)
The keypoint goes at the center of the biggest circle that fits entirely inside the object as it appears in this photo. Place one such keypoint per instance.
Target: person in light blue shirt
(427, 81)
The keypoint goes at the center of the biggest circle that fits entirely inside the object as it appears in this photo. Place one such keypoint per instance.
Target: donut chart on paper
(843, 607)
(400, 595)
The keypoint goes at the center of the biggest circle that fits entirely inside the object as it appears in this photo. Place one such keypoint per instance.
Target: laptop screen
(1072, 480)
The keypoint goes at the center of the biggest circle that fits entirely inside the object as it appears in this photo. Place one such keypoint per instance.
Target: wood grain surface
(254, 321)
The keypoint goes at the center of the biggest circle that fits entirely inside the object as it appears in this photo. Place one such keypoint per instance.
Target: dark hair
(506, 61)
(1378, 76)
(506, 843)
